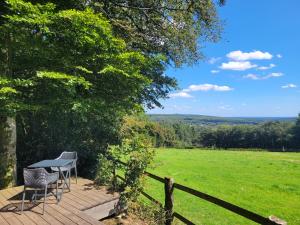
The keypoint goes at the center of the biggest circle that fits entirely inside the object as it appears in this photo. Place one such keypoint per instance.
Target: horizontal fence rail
(183, 219)
(229, 206)
(160, 179)
(151, 198)
(170, 186)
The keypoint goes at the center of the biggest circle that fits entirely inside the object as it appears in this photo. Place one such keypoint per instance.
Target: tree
(169, 27)
(61, 63)
(66, 64)
(8, 172)
(296, 133)
(175, 29)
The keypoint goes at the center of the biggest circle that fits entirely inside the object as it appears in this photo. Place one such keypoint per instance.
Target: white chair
(68, 169)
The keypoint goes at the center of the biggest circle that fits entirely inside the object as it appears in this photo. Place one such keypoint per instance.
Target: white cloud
(239, 66)
(252, 76)
(243, 56)
(215, 71)
(279, 56)
(257, 77)
(213, 60)
(180, 94)
(273, 75)
(266, 67)
(201, 87)
(225, 107)
(289, 86)
(207, 87)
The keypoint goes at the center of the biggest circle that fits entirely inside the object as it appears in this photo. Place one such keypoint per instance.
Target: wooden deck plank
(10, 218)
(36, 212)
(89, 219)
(68, 206)
(24, 219)
(48, 217)
(3, 221)
(64, 219)
(94, 194)
(35, 217)
(67, 212)
(83, 197)
(67, 201)
(14, 221)
(76, 200)
(71, 214)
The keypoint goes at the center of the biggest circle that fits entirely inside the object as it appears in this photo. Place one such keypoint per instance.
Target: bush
(152, 213)
(104, 171)
(137, 155)
(139, 159)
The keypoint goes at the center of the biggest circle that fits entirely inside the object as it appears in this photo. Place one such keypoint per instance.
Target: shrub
(104, 171)
(137, 155)
(151, 213)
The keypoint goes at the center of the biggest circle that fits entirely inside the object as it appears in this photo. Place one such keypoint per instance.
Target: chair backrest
(69, 155)
(35, 178)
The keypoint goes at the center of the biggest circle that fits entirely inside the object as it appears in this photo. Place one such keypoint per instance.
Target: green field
(263, 182)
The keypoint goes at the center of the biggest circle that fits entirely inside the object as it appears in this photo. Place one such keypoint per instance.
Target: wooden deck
(70, 210)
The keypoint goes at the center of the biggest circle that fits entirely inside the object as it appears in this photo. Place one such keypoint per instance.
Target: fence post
(169, 199)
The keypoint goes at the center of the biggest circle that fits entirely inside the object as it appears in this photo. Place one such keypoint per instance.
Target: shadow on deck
(85, 204)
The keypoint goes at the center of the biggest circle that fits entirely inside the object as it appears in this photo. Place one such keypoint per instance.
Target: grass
(263, 182)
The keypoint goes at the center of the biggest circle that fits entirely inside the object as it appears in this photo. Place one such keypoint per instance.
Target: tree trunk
(8, 137)
(8, 157)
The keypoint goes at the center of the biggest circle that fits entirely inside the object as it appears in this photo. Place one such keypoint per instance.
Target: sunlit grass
(263, 182)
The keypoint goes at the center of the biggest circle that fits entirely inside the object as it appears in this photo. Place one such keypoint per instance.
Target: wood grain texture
(67, 212)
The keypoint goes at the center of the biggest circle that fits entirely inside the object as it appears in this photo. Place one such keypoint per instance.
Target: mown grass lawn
(264, 182)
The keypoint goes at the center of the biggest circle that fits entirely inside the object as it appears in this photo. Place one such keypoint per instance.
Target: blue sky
(253, 71)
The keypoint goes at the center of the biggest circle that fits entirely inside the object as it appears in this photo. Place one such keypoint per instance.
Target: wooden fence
(170, 214)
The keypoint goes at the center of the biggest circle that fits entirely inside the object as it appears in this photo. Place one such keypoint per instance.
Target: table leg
(65, 182)
(65, 179)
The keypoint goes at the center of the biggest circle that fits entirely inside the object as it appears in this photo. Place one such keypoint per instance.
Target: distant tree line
(270, 135)
(273, 135)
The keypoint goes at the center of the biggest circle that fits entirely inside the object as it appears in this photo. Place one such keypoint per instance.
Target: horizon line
(193, 114)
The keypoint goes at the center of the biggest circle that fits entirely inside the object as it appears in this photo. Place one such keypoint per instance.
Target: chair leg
(57, 192)
(61, 178)
(69, 178)
(45, 199)
(76, 173)
(23, 199)
(34, 196)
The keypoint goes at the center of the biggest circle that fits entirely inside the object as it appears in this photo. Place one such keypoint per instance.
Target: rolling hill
(214, 120)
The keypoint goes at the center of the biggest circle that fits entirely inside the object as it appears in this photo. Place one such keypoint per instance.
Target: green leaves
(65, 79)
(26, 13)
(83, 69)
(176, 29)
(7, 90)
(58, 56)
